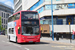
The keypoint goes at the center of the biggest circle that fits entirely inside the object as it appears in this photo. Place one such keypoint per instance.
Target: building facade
(23, 4)
(63, 10)
(5, 12)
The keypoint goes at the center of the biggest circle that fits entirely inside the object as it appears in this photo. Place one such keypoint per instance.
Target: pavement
(60, 41)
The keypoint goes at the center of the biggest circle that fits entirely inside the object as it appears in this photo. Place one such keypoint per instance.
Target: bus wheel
(16, 40)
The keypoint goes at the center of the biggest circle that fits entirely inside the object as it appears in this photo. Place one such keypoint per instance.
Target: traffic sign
(69, 20)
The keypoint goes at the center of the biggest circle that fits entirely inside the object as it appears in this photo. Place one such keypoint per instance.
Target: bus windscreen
(30, 27)
(29, 30)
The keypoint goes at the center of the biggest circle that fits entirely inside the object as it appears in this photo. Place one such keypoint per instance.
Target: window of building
(71, 5)
(47, 0)
(6, 27)
(40, 10)
(37, 4)
(58, 0)
(64, 21)
(59, 6)
(2, 26)
(74, 19)
(54, 21)
(60, 22)
(50, 0)
(47, 7)
(46, 21)
(64, 6)
(54, 7)
(7, 15)
(50, 22)
(6, 21)
(2, 14)
(41, 21)
(2, 20)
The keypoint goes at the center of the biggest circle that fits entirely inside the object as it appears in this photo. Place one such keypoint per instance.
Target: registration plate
(30, 41)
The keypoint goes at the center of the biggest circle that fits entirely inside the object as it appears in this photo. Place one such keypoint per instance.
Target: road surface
(43, 45)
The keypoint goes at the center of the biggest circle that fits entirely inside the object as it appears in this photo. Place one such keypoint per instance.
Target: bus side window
(11, 19)
(14, 17)
(17, 16)
(9, 30)
(12, 30)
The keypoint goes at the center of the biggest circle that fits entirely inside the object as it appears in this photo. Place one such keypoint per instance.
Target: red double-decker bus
(24, 26)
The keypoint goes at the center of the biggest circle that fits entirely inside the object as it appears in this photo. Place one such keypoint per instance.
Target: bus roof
(24, 10)
(21, 11)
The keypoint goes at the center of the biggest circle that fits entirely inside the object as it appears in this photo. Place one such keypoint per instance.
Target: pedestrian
(50, 33)
(62, 36)
(41, 31)
(73, 34)
(57, 36)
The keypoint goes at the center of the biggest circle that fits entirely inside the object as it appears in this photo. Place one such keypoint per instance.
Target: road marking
(64, 47)
(26, 49)
(38, 45)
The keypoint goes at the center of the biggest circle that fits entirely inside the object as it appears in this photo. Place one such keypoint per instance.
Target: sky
(8, 2)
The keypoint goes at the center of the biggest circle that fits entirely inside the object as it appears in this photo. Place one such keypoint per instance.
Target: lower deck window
(11, 30)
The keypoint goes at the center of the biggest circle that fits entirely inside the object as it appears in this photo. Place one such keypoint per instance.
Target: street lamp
(52, 20)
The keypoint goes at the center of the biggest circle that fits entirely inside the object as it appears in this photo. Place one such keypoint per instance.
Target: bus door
(19, 34)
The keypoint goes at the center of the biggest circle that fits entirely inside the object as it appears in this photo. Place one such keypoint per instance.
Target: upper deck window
(29, 15)
(14, 17)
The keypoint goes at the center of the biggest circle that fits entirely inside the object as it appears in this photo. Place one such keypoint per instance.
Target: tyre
(16, 40)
